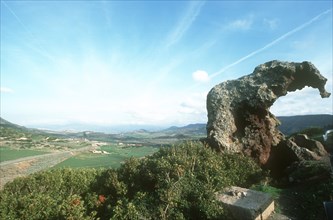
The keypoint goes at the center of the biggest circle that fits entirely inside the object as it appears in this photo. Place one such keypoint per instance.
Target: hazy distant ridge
(292, 124)
(289, 125)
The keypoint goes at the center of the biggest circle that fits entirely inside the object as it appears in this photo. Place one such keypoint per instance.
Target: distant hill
(289, 125)
(5, 123)
(293, 124)
(105, 128)
(198, 128)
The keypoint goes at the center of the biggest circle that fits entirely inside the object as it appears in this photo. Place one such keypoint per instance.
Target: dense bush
(53, 194)
(179, 182)
(311, 132)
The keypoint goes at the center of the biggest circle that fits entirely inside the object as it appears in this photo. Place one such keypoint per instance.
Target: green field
(129, 151)
(7, 153)
(113, 160)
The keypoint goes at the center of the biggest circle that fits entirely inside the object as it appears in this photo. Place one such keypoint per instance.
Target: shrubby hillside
(293, 124)
(179, 182)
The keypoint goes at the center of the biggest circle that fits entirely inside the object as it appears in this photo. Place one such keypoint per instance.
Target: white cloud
(271, 23)
(195, 103)
(302, 102)
(6, 90)
(200, 76)
(174, 109)
(241, 24)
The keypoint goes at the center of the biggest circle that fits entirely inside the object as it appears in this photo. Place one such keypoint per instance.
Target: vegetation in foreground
(304, 201)
(179, 182)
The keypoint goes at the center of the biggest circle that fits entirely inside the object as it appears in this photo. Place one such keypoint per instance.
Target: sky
(151, 62)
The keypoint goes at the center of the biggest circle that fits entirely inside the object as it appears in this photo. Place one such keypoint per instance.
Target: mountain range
(289, 125)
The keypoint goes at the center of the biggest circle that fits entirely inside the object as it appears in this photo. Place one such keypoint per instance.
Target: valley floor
(9, 170)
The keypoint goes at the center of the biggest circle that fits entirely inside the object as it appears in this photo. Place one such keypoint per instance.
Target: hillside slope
(293, 124)
(289, 125)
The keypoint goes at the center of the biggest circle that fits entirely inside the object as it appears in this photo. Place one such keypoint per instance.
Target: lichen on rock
(239, 119)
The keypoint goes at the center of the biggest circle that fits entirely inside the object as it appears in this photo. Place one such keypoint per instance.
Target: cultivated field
(7, 153)
(24, 151)
(112, 158)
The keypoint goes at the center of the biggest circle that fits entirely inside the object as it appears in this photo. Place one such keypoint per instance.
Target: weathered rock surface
(307, 170)
(246, 203)
(239, 119)
(310, 144)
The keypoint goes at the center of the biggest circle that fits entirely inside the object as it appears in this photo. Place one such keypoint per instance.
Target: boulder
(239, 119)
(306, 171)
(285, 154)
(302, 140)
(246, 203)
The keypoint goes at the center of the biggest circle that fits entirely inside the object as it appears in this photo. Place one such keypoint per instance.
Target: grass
(273, 191)
(113, 160)
(309, 199)
(129, 151)
(89, 160)
(304, 201)
(7, 153)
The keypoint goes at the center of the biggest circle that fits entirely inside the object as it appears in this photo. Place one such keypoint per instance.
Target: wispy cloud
(106, 12)
(6, 90)
(39, 48)
(241, 24)
(271, 43)
(194, 105)
(185, 23)
(272, 24)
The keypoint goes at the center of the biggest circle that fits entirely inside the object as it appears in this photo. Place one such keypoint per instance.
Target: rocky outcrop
(239, 119)
(312, 145)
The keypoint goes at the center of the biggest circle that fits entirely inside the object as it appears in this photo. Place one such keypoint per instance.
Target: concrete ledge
(247, 204)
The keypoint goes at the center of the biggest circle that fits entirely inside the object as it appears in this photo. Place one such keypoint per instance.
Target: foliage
(178, 182)
(310, 198)
(273, 191)
(56, 194)
(294, 124)
(311, 132)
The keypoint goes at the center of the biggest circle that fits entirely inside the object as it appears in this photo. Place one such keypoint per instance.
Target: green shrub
(178, 182)
(54, 194)
(311, 132)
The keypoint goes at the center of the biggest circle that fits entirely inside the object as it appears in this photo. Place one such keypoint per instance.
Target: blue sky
(151, 62)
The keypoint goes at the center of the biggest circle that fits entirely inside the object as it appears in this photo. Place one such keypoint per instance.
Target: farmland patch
(112, 160)
(7, 153)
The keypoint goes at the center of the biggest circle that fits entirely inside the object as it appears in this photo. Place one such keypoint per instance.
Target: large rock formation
(239, 119)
